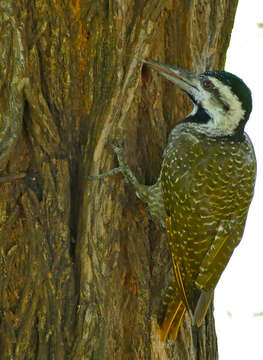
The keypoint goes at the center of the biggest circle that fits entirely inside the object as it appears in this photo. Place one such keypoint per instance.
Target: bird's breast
(209, 175)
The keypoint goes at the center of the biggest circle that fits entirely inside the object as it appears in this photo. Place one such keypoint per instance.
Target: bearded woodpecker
(207, 179)
(204, 189)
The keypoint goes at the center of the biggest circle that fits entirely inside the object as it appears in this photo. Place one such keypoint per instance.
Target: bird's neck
(218, 126)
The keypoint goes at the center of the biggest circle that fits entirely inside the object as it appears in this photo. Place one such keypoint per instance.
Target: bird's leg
(125, 170)
(152, 195)
(122, 168)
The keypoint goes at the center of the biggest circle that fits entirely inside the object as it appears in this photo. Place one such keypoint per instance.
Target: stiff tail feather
(172, 320)
(202, 306)
(176, 299)
(175, 309)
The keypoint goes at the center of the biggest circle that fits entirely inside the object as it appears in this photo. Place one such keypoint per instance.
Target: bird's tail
(202, 306)
(175, 310)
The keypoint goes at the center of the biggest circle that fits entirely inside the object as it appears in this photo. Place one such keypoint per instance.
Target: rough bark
(83, 267)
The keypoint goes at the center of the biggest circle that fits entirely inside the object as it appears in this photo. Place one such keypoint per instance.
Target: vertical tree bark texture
(83, 267)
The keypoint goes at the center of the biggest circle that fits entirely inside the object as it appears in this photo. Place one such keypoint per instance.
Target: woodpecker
(207, 178)
(204, 189)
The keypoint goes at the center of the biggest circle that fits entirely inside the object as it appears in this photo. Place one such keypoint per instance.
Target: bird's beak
(184, 79)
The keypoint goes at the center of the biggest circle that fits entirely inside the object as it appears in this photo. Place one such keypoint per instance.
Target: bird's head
(222, 101)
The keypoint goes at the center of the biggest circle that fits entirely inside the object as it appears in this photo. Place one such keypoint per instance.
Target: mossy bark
(83, 267)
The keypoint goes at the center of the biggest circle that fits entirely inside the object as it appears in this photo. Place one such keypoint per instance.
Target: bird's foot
(122, 168)
(123, 165)
(151, 195)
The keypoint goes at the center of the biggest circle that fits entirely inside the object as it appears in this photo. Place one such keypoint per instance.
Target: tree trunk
(83, 267)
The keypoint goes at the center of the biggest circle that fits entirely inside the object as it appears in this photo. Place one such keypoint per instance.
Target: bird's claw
(117, 148)
(122, 164)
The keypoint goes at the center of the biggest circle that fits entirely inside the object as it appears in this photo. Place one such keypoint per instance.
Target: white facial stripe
(232, 118)
(222, 122)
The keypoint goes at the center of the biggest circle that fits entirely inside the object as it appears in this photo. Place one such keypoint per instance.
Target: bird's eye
(207, 84)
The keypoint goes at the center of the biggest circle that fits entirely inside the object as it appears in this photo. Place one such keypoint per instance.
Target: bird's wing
(228, 236)
(213, 264)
